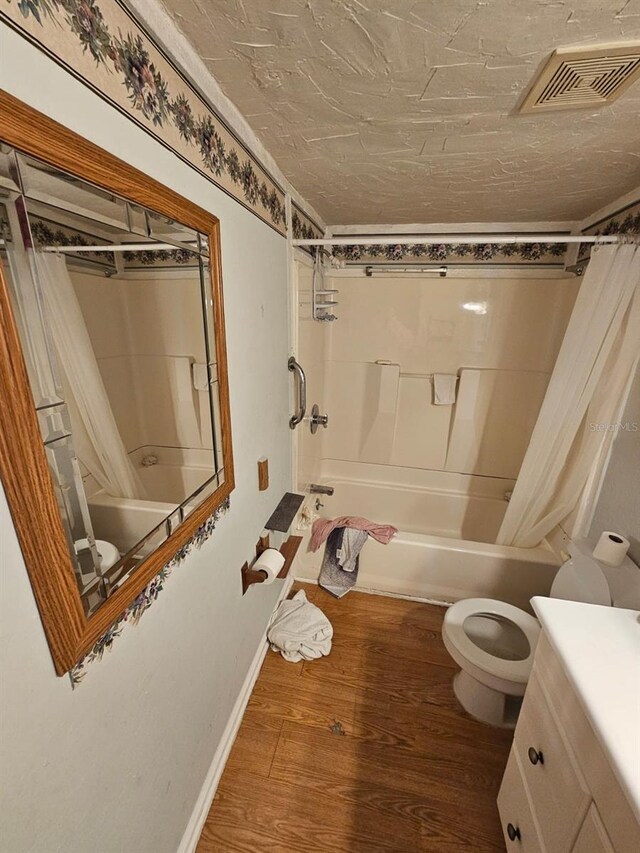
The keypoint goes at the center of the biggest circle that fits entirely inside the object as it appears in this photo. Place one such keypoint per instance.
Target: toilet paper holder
(266, 568)
(287, 552)
(250, 576)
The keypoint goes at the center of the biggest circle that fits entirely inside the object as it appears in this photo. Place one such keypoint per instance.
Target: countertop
(599, 648)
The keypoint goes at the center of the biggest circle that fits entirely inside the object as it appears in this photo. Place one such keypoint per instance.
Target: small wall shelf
(284, 513)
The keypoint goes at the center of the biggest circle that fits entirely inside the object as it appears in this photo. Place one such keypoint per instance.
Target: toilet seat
(508, 676)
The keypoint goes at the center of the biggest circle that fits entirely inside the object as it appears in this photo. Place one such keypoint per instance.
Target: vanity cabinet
(560, 793)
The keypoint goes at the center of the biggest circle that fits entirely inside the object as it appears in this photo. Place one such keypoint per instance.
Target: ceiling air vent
(576, 77)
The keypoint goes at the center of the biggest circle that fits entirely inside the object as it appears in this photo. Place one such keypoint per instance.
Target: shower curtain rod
(113, 247)
(370, 270)
(455, 239)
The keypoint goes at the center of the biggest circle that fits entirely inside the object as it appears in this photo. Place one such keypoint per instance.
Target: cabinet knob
(513, 832)
(535, 756)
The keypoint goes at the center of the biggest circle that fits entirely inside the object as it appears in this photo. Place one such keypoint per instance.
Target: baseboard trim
(201, 808)
(370, 591)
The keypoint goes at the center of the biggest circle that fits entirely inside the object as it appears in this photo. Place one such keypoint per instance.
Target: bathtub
(444, 550)
(125, 522)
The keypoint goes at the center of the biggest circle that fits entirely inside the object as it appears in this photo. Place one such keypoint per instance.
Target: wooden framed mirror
(115, 433)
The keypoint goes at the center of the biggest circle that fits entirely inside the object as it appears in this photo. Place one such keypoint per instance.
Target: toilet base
(484, 703)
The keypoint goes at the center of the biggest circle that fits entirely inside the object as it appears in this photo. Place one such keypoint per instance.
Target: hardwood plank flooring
(364, 750)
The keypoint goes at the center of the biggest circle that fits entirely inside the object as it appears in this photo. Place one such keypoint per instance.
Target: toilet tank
(581, 579)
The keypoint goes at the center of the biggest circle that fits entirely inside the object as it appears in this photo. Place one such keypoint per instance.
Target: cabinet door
(593, 837)
(554, 781)
(518, 824)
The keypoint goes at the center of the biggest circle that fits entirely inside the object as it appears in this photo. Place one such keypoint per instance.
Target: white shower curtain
(96, 438)
(598, 354)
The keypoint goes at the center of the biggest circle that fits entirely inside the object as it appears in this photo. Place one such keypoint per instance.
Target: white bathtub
(444, 550)
(125, 521)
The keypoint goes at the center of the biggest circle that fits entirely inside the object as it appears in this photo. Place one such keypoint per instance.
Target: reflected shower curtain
(598, 355)
(96, 438)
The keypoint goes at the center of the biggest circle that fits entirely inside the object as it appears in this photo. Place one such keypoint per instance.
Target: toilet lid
(581, 579)
(517, 671)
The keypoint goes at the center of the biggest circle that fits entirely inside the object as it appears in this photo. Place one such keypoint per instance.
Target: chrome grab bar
(302, 393)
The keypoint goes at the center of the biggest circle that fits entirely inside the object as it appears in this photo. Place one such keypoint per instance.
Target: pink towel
(322, 527)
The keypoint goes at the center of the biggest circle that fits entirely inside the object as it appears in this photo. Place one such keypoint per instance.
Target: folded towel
(299, 630)
(322, 527)
(200, 376)
(335, 579)
(444, 389)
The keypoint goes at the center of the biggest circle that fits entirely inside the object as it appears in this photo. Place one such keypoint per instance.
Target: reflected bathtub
(126, 521)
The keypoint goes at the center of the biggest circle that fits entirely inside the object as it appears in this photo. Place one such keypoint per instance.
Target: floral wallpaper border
(168, 258)
(497, 253)
(146, 598)
(48, 233)
(101, 44)
(45, 232)
(625, 221)
(303, 227)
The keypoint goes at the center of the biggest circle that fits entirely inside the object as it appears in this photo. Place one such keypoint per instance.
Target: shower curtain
(598, 355)
(96, 438)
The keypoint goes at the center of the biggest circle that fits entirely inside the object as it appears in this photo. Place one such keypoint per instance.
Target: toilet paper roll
(611, 548)
(270, 562)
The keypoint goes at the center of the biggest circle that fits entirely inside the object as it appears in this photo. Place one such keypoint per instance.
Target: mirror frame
(23, 465)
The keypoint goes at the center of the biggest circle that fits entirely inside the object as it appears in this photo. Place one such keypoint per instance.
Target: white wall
(117, 765)
(618, 506)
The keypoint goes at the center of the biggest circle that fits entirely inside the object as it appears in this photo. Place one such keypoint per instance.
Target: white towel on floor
(299, 630)
(444, 389)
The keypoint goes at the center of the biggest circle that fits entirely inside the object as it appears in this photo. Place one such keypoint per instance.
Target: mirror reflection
(114, 307)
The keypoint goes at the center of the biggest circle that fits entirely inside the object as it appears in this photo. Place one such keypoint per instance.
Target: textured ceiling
(404, 111)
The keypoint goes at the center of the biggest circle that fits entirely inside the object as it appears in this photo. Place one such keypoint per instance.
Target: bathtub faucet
(316, 489)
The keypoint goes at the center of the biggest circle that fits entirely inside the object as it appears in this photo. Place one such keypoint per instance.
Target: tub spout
(317, 489)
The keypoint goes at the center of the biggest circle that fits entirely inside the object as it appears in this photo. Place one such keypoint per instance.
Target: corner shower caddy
(321, 301)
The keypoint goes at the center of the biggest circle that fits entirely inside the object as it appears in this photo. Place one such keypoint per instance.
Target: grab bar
(294, 420)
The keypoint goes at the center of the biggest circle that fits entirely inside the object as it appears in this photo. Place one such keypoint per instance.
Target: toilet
(493, 642)
(108, 553)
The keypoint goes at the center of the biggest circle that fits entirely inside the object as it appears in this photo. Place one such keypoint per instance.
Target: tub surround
(439, 503)
(499, 335)
(439, 473)
(147, 367)
(599, 650)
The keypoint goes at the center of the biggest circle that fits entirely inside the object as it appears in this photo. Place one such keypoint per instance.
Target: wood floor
(364, 750)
